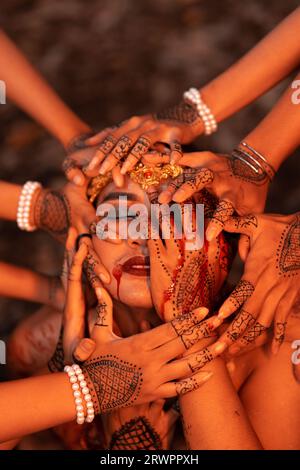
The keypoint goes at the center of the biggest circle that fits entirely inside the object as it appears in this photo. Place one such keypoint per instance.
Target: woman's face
(127, 260)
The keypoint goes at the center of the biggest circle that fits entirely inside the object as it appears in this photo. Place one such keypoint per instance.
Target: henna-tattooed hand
(132, 139)
(270, 282)
(182, 278)
(141, 427)
(136, 370)
(231, 181)
(55, 211)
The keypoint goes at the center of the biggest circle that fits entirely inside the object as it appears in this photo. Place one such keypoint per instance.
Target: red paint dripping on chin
(117, 273)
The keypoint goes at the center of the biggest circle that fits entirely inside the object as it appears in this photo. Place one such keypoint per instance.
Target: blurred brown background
(109, 59)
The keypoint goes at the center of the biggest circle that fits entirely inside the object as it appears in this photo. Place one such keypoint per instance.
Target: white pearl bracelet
(194, 96)
(81, 392)
(24, 204)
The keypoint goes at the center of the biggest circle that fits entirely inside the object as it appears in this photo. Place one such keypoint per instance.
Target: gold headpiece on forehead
(144, 175)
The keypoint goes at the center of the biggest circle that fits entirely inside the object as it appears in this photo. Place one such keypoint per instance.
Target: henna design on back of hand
(288, 253)
(113, 383)
(136, 434)
(244, 172)
(182, 113)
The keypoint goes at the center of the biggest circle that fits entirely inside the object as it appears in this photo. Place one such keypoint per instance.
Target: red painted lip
(137, 266)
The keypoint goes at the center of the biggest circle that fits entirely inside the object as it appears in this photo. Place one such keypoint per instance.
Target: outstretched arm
(29, 90)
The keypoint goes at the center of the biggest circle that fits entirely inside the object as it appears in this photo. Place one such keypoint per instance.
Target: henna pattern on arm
(242, 171)
(136, 434)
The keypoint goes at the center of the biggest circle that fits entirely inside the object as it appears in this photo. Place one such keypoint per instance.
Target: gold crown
(144, 175)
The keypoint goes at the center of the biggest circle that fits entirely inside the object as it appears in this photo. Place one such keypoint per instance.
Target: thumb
(103, 328)
(84, 349)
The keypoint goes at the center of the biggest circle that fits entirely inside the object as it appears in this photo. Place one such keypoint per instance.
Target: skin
(244, 82)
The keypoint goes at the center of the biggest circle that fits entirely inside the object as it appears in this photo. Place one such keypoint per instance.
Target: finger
(282, 312)
(94, 269)
(68, 256)
(185, 341)
(164, 333)
(222, 213)
(250, 337)
(145, 141)
(120, 150)
(243, 320)
(153, 158)
(239, 348)
(118, 178)
(140, 148)
(102, 151)
(242, 292)
(73, 172)
(244, 224)
(84, 349)
(176, 152)
(166, 196)
(244, 247)
(202, 179)
(185, 386)
(74, 311)
(103, 328)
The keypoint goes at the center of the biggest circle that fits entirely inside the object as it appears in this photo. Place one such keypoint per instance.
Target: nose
(138, 244)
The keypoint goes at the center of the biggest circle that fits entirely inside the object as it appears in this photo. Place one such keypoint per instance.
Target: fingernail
(178, 196)
(92, 164)
(164, 198)
(104, 278)
(78, 180)
(230, 366)
(87, 345)
(234, 349)
(103, 169)
(205, 376)
(124, 169)
(211, 233)
(215, 323)
(223, 312)
(98, 291)
(219, 347)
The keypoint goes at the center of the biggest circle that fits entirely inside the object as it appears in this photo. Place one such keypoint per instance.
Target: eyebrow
(111, 196)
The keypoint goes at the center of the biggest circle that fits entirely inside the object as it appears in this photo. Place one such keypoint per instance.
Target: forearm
(272, 59)
(278, 134)
(28, 89)
(9, 194)
(213, 416)
(34, 287)
(34, 404)
(49, 209)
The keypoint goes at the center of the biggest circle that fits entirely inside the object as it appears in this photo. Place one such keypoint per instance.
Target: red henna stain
(117, 273)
